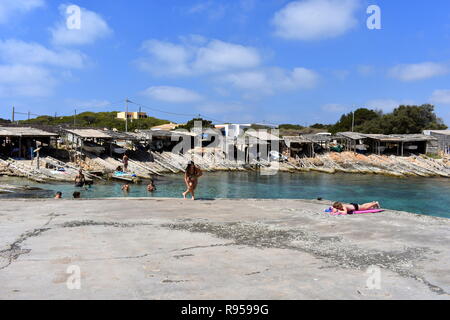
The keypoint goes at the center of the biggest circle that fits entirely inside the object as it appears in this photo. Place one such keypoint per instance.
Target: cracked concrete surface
(221, 249)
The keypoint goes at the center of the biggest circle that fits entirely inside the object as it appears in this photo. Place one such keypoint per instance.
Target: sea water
(429, 196)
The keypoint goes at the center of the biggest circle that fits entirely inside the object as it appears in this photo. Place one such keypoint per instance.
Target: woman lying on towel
(343, 209)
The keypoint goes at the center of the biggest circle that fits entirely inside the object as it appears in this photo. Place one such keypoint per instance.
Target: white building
(232, 130)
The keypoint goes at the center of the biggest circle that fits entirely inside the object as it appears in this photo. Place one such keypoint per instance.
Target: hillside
(97, 120)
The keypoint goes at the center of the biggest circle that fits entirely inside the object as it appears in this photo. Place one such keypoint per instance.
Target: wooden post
(37, 158)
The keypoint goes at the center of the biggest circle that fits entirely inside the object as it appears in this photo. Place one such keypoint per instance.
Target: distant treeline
(403, 120)
(96, 120)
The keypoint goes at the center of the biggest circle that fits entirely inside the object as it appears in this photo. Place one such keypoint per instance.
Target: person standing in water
(191, 179)
(80, 180)
(151, 187)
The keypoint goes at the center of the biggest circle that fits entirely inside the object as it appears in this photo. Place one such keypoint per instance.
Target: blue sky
(277, 61)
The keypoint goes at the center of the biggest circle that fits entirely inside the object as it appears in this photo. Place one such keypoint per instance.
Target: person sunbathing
(344, 209)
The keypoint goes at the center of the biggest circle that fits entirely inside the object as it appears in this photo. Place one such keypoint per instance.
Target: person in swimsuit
(80, 180)
(191, 179)
(58, 195)
(125, 162)
(151, 187)
(339, 207)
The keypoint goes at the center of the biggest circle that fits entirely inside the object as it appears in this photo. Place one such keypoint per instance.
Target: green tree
(97, 120)
(290, 127)
(191, 123)
(362, 116)
(404, 120)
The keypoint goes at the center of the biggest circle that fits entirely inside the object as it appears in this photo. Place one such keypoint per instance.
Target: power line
(176, 114)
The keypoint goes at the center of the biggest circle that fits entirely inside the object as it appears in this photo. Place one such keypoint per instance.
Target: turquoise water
(430, 196)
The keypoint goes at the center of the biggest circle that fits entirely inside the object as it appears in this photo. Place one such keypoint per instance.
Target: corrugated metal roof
(149, 134)
(24, 132)
(262, 135)
(441, 132)
(400, 137)
(295, 139)
(90, 133)
(351, 135)
(387, 138)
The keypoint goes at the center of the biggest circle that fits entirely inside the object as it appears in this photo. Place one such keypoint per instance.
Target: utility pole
(353, 121)
(126, 115)
(28, 115)
(74, 117)
(13, 113)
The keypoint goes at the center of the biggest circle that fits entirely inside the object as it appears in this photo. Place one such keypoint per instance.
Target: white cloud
(21, 80)
(365, 70)
(88, 104)
(196, 57)
(315, 19)
(32, 70)
(93, 27)
(419, 71)
(220, 56)
(335, 108)
(11, 7)
(387, 105)
(172, 94)
(441, 97)
(272, 80)
(20, 52)
(222, 108)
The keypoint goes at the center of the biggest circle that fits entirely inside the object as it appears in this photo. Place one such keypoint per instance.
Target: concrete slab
(219, 249)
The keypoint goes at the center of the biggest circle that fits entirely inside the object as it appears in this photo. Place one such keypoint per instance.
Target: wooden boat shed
(299, 146)
(162, 140)
(259, 143)
(106, 138)
(443, 139)
(306, 145)
(20, 141)
(398, 144)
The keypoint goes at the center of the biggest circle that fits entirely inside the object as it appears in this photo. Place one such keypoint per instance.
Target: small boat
(93, 148)
(119, 150)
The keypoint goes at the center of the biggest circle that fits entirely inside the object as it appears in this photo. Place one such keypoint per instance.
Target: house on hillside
(132, 115)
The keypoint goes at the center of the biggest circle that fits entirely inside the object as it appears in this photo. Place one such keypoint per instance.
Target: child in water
(344, 209)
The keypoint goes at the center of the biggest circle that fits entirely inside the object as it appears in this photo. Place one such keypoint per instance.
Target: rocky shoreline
(170, 163)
